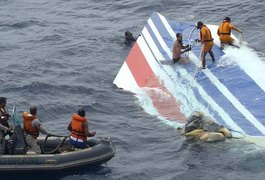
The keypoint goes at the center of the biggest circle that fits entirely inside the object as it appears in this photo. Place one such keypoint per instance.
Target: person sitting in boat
(224, 32)
(79, 130)
(32, 128)
(129, 37)
(5, 126)
(200, 127)
(177, 49)
(207, 42)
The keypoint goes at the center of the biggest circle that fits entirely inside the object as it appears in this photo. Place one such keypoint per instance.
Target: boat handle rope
(56, 149)
(243, 135)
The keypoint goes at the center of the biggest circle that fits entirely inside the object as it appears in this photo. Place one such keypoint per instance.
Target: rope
(197, 65)
(240, 39)
(56, 149)
(192, 44)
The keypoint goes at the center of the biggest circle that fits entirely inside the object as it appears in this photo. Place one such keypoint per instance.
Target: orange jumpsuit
(224, 32)
(206, 38)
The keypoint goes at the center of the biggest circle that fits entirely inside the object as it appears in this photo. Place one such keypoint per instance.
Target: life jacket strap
(225, 33)
(208, 40)
(78, 133)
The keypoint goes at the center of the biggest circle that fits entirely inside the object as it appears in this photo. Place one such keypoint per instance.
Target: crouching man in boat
(5, 125)
(32, 128)
(177, 50)
(79, 130)
(200, 127)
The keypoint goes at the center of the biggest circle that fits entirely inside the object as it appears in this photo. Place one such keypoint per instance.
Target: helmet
(199, 24)
(227, 19)
(81, 112)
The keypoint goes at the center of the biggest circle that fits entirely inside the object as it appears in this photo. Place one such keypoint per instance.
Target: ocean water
(62, 55)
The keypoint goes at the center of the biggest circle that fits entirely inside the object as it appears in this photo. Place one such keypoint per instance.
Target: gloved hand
(197, 40)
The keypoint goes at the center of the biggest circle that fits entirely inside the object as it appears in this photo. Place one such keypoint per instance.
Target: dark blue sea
(63, 55)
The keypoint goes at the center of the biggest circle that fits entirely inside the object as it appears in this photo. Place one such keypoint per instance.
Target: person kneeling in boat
(224, 32)
(177, 50)
(79, 130)
(32, 128)
(200, 127)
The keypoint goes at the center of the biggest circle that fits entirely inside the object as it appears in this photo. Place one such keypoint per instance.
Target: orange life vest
(28, 118)
(205, 34)
(77, 128)
(224, 28)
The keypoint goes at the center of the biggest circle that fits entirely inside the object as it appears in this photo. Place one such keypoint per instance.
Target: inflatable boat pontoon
(100, 151)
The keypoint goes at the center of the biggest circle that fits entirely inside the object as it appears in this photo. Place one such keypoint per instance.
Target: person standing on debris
(207, 42)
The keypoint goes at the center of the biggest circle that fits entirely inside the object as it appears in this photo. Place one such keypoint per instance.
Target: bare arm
(3, 128)
(36, 123)
(43, 130)
(88, 134)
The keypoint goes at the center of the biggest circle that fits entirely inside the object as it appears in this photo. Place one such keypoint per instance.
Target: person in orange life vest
(5, 125)
(178, 45)
(79, 130)
(207, 42)
(32, 128)
(224, 32)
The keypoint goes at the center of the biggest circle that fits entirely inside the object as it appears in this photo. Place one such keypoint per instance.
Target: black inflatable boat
(58, 156)
(57, 153)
